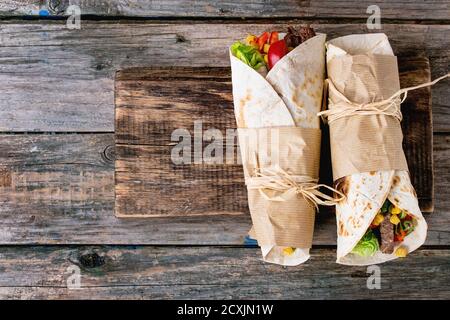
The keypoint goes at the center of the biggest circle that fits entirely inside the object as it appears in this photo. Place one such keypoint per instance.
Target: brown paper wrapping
(297, 151)
(364, 143)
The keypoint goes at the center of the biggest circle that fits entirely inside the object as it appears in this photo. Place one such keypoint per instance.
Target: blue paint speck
(250, 242)
(44, 13)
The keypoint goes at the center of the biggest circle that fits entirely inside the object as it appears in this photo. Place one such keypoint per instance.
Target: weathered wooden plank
(54, 183)
(210, 272)
(148, 183)
(151, 109)
(442, 173)
(56, 79)
(53, 201)
(417, 128)
(60, 189)
(410, 10)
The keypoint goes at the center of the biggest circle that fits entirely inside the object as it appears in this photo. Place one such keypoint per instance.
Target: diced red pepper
(273, 37)
(277, 51)
(400, 237)
(262, 39)
(408, 217)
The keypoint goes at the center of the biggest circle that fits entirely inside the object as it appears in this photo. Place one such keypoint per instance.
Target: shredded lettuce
(248, 54)
(367, 246)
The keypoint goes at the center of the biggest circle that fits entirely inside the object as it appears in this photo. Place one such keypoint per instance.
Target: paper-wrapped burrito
(380, 219)
(276, 100)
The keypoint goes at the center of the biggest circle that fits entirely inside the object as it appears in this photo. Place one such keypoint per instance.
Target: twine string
(281, 181)
(388, 107)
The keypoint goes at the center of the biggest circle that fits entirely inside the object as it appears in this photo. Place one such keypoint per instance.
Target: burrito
(379, 220)
(277, 83)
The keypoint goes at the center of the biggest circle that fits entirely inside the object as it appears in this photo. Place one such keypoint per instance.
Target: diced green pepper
(385, 207)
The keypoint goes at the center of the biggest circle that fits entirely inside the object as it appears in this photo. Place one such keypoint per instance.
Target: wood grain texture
(64, 194)
(60, 189)
(56, 79)
(54, 181)
(401, 10)
(148, 112)
(150, 109)
(442, 172)
(210, 273)
(417, 128)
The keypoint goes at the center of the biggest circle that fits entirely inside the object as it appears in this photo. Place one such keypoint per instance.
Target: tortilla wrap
(366, 192)
(290, 95)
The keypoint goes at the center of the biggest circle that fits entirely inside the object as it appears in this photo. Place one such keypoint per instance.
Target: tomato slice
(263, 40)
(273, 37)
(277, 51)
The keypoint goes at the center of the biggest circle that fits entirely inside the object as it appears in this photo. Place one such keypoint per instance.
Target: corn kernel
(401, 252)
(266, 59)
(288, 251)
(394, 220)
(290, 49)
(396, 210)
(251, 39)
(266, 47)
(378, 219)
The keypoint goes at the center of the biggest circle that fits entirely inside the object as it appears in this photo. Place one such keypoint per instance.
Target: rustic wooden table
(57, 155)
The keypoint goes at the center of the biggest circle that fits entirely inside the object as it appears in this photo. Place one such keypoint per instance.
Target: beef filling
(387, 235)
(294, 37)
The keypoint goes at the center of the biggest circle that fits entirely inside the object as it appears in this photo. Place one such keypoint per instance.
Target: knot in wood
(91, 260)
(57, 6)
(180, 38)
(109, 154)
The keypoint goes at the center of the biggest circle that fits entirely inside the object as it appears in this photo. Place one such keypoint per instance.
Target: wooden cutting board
(151, 103)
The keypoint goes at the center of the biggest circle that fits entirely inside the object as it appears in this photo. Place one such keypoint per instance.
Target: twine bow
(281, 181)
(388, 107)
